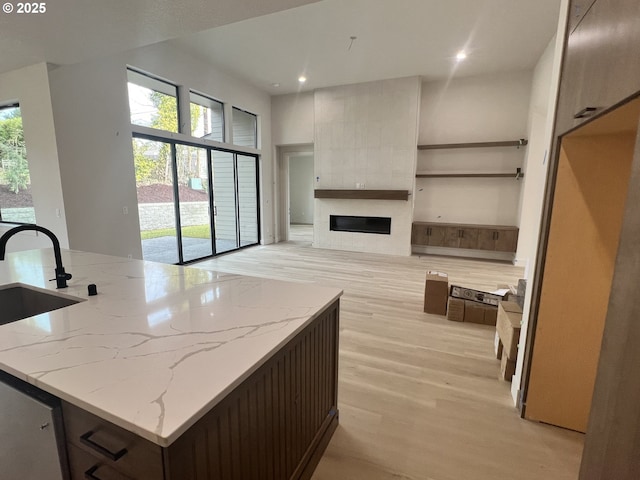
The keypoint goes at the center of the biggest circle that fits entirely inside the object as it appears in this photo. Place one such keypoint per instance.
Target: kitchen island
(192, 373)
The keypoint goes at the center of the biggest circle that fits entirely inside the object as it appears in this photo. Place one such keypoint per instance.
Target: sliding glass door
(194, 202)
(224, 201)
(248, 199)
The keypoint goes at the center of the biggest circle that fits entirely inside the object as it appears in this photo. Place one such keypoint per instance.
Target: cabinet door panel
(601, 66)
(419, 234)
(506, 240)
(577, 11)
(469, 238)
(486, 239)
(452, 237)
(437, 236)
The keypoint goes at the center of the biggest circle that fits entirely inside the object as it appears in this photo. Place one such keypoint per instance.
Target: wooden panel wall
(612, 444)
(275, 425)
(590, 193)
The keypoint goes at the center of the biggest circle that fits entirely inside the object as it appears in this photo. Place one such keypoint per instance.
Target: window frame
(212, 99)
(255, 127)
(150, 80)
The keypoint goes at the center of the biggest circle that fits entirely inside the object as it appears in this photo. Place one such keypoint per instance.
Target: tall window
(207, 117)
(245, 128)
(16, 204)
(152, 102)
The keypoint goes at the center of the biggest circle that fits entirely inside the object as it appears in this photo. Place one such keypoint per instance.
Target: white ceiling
(71, 31)
(395, 38)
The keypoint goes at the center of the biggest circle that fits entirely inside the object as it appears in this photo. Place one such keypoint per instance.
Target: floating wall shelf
(363, 194)
(470, 175)
(508, 143)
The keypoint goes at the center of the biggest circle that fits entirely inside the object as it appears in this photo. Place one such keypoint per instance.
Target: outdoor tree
(13, 153)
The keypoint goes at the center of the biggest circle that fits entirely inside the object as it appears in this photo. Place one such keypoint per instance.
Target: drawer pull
(585, 112)
(89, 474)
(86, 440)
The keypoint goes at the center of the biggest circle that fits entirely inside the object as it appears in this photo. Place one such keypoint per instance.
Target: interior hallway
(419, 396)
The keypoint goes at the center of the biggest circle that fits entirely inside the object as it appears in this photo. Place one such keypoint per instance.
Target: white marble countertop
(159, 345)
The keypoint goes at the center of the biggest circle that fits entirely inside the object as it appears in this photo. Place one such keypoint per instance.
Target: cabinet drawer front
(112, 446)
(83, 466)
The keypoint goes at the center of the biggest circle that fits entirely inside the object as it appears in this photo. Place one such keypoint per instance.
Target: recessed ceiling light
(275, 85)
(302, 79)
(461, 55)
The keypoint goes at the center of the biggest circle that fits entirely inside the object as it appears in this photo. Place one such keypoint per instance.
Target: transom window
(207, 117)
(152, 102)
(245, 128)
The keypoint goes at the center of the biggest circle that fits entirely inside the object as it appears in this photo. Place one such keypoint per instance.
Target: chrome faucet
(61, 275)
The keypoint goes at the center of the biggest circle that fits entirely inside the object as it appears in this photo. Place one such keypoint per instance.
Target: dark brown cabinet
(602, 65)
(472, 237)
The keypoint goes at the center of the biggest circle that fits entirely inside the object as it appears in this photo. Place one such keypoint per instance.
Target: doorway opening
(296, 178)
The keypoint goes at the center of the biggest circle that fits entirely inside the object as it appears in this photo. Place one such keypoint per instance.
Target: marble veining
(159, 345)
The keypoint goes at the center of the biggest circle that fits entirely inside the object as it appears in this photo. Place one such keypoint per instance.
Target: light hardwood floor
(419, 396)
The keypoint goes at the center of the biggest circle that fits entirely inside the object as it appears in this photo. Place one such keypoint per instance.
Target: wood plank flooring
(419, 396)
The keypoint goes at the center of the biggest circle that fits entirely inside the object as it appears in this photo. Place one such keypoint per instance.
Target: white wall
(30, 87)
(301, 189)
(476, 109)
(292, 118)
(547, 71)
(91, 113)
(366, 133)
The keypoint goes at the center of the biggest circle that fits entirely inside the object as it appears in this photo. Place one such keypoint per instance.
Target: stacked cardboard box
(436, 290)
(508, 331)
(472, 306)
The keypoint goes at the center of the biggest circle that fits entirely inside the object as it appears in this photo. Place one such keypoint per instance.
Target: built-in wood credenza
(494, 238)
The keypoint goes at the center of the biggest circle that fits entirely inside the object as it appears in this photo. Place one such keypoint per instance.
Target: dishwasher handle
(114, 456)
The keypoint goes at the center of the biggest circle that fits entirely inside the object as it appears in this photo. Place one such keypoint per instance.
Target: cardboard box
(510, 290)
(508, 327)
(522, 287)
(497, 346)
(475, 295)
(436, 289)
(507, 368)
(455, 310)
(475, 312)
(490, 315)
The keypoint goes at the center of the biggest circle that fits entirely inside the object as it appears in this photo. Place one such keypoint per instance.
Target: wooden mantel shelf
(362, 194)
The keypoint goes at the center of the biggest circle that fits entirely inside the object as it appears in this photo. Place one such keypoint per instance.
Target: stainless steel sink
(18, 301)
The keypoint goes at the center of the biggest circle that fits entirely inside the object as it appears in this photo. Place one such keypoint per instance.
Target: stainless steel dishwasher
(31, 433)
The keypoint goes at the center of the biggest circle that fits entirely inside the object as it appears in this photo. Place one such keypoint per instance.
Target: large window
(16, 204)
(195, 200)
(245, 128)
(152, 102)
(207, 117)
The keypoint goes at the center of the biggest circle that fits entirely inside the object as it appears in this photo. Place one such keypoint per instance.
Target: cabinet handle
(493, 237)
(585, 112)
(86, 440)
(428, 231)
(461, 233)
(497, 235)
(90, 473)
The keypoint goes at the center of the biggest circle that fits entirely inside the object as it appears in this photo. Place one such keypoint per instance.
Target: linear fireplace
(344, 223)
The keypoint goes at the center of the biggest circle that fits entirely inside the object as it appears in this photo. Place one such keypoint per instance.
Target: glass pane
(154, 181)
(152, 103)
(248, 199)
(193, 197)
(244, 128)
(207, 118)
(224, 196)
(16, 203)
